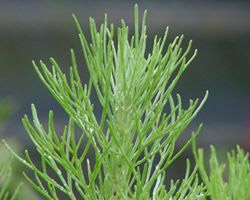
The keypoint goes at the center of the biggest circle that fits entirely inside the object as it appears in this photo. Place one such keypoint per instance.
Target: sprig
(134, 141)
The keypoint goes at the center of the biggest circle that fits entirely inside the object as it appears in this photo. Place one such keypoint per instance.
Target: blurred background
(220, 30)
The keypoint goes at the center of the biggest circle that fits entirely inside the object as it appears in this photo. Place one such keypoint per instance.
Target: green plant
(134, 141)
(5, 178)
(12, 185)
(6, 191)
(233, 185)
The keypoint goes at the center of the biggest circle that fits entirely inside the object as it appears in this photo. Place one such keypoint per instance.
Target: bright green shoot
(134, 140)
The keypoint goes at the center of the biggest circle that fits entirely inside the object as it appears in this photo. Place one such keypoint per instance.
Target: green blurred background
(220, 31)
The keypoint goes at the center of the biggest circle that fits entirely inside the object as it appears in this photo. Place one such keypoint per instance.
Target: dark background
(220, 30)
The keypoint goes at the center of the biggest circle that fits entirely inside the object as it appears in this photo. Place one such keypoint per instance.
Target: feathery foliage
(134, 141)
(237, 172)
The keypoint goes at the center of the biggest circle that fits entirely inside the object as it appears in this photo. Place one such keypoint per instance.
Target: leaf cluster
(134, 141)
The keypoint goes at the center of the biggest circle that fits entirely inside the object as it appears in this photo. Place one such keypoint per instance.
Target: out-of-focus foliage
(229, 181)
(6, 191)
(10, 171)
(7, 107)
